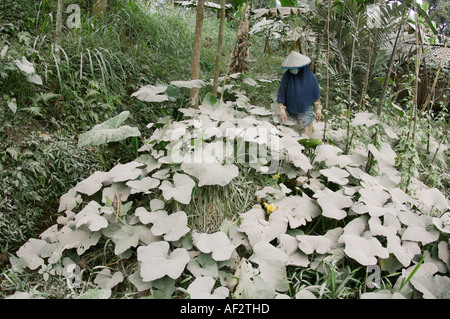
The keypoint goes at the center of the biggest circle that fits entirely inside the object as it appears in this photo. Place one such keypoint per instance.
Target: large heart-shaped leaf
(173, 226)
(180, 189)
(217, 243)
(271, 264)
(90, 216)
(123, 236)
(258, 229)
(108, 131)
(156, 262)
(201, 288)
(151, 93)
(298, 209)
(211, 174)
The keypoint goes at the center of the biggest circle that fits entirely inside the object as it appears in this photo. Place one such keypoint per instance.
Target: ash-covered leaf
(442, 223)
(212, 173)
(189, 84)
(69, 200)
(364, 249)
(271, 264)
(126, 172)
(25, 66)
(311, 243)
(385, 154)
(123, 236)
(119, 189)
(143, 185)
(96, 294)
(151, 93)
(173, 226)
(247, 286)
(333, 203)
(432, 199)
(157, 262)
(201, 288)
(203, 265)
(404, 252)
(360, 245)
(432, 287)
(30, 253)
(336, 175)
(90, 216)
(180, 190)
(80, 238)
(106, 280)
(216, 243)
(444, 253)
(258, 228)
(299, 210)
(390, 225)
(137, 281)
(420, 227)
(365, 118)
(305, 294)
(93, 183)
(108, 131)
(289, 245)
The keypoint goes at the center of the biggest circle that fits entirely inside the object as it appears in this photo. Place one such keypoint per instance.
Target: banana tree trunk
(195, 70)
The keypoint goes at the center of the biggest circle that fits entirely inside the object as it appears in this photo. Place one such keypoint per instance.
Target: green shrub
(34, 173)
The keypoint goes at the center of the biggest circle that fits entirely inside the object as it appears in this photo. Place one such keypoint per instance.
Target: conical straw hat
(295, 60)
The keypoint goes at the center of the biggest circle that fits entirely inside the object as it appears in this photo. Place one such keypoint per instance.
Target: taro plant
(319, 230)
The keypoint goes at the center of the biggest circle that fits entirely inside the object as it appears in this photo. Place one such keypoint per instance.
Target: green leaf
(108, 131)
(404, 282)
(310, 142)
(288, 3)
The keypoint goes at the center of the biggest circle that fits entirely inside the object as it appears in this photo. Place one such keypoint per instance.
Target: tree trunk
(195, 71)
(328, 71)
(366, 80)
(100, 7)
(219, 48)
(58, 33)
(416, 97)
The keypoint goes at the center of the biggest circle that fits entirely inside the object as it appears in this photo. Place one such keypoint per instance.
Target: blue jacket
(298, 91)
